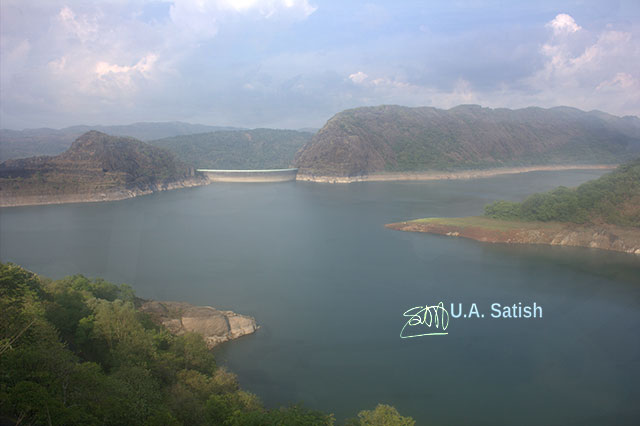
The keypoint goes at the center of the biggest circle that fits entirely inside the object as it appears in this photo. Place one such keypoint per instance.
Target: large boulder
(214, 325)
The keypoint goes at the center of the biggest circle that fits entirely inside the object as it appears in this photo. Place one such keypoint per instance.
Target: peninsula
(603, 213)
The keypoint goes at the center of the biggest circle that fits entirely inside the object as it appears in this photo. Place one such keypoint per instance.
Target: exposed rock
(606, 237)
(214, 325)
(97, 167)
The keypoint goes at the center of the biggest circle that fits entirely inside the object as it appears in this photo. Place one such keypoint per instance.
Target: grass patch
(488, 223)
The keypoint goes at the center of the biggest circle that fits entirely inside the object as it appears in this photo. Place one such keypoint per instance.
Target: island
(603, 213)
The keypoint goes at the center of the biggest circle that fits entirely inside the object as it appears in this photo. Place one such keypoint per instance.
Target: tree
(382, 415)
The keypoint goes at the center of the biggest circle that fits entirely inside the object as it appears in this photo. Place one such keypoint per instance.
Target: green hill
(244, 149)
(369, 140)
(613, 198)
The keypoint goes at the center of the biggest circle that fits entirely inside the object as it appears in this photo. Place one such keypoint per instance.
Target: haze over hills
(246, 149)
(96, 167)
(45, 141)
(392, 138)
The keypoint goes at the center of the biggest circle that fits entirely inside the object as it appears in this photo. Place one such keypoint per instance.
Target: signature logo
(423, 320)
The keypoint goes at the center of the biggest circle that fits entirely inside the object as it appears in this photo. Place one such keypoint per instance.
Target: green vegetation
(613, 198)
(382, 415)
(77, 352)
(392, 138)
(242, 149)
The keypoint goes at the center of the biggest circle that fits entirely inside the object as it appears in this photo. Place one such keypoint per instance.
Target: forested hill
(245, 149)
(95, 163)
(367, 140)
(613, 199)
(45, 141)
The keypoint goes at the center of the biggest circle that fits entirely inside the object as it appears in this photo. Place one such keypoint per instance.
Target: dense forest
(76, 351)
(613, 198)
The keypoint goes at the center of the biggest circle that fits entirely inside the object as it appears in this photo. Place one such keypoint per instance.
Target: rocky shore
(214, 325)
(15, 200)
(425, 176)
(606, 237)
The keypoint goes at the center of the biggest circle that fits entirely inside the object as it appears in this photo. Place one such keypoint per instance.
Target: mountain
(96, 167)
(391, 138)
(44, 141)
(243, 149)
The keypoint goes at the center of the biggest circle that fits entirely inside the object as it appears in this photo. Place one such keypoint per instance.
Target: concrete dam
(272, 175)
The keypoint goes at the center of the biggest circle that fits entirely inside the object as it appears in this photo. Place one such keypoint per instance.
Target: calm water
(328, 284)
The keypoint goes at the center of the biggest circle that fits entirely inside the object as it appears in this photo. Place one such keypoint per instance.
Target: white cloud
(358, 77)
(564, 23)
(84, 28)
(269, 8)
(585, 71)
(143, 67)
(621, 80)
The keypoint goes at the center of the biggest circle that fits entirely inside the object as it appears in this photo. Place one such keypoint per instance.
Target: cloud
(270, 8)
(288, 63)
(117, 56)
(358, 77)
(585, 71)
(563, 24)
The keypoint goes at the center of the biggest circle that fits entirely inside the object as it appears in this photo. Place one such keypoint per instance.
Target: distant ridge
(239, 149)
(45, 141)
(390, 138)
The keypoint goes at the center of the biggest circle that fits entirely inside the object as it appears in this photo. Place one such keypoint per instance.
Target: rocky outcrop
(15, 200)
(97, 167)
(214, 325)
(606, 237)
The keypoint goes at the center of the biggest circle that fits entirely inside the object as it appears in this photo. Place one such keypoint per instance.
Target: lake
(329, 284)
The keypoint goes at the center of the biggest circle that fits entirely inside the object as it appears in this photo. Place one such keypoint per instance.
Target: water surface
(328, 284)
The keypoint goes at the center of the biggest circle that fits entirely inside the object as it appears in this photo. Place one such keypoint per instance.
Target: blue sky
(295, 63)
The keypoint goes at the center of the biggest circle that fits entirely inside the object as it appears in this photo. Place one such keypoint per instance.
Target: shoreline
(123, 194)
(117, 195)
(465, 174)
(479, 228)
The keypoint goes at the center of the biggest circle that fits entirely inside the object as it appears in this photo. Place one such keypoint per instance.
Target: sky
(296, 63)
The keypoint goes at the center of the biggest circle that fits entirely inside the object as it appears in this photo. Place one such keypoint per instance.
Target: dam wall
(273, 175)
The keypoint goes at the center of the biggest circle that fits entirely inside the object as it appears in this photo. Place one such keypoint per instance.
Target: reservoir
(329, 284)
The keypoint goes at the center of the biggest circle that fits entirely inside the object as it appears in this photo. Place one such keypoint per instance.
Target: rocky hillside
(96, 165)
(243, 149)
(400, 139)
(44, 141)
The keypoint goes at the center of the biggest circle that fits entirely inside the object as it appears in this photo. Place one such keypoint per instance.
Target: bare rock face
(214, 325)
